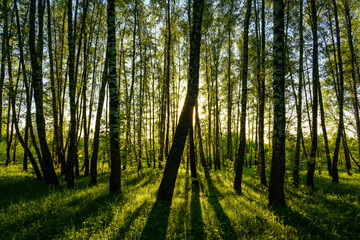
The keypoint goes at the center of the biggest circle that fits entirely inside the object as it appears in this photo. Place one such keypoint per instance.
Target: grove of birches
(236, 87)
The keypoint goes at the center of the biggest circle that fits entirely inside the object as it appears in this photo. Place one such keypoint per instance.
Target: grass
(30, 209)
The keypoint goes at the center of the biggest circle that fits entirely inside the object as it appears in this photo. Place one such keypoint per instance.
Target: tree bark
(72, 151)
(276, 184)
(115, 174)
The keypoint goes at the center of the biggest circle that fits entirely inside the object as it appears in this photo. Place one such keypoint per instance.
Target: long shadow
(55, 222)
(227, 231)
(157, 221)
(304, 226)
(184, 207)
(130, 219)
(21, 189)
(197, 222)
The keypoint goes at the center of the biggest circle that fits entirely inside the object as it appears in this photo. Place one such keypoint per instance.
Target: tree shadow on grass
(130, 220)
(23, 189)
(197, 222)
(226, 231)
(157, 221)
(306, 227)
(54, 222)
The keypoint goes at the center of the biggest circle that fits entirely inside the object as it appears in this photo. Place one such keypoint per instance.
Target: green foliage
(32, 210)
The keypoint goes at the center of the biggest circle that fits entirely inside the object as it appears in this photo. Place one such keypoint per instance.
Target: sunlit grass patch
(30, 209)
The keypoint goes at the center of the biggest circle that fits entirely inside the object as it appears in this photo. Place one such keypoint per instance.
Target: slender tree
(49, 174)
(201, 150)
(239, 163)
(72, 151)
(315, 76)
(59, 154)
(353, 64)
(262, 98)
(299, 105)
(96, 141)
(194, 177)
(335, 176)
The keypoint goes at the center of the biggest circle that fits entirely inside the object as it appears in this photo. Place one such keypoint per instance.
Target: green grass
(30, 209)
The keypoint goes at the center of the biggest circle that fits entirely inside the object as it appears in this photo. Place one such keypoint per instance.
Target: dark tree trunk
(115, 174)
(353, 70)
(2, 63)
(194, 179)
(167, 184)
(167, 76)
(72, 151)
(323, 126)
(315, 79)
(201, 149)
(209, 102)
(276, 184)
(3, 59)
(262, 98)
(9, 122)
(130, 95)
(49, 174)
(95, 145)
(59, 154)
(347, 154)
(335, 175)
(296, 177)
(84, 90)
(230, 90)
(239, 162)
(214, 73)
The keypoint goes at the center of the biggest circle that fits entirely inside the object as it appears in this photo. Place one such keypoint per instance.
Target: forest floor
(30, 209)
